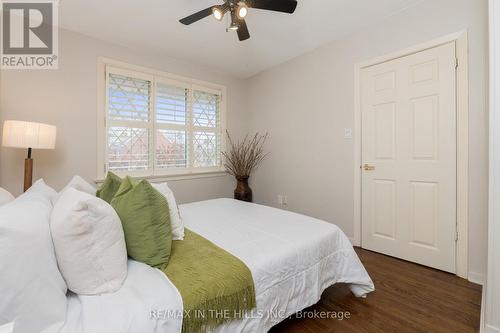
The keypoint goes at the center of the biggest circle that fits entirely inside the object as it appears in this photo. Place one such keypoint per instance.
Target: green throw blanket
(215, 285)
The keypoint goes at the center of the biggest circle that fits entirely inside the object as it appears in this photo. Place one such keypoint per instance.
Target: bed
(293, 259)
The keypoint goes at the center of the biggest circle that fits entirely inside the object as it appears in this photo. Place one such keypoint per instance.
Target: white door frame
(490, 322)
(460, 39)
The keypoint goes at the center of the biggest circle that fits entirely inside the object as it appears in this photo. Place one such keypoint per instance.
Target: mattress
(293, 259)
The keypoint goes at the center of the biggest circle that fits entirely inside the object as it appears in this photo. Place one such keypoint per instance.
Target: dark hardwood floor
(408, 298)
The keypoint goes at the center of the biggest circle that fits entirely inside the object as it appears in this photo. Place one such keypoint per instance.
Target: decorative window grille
(159, 126)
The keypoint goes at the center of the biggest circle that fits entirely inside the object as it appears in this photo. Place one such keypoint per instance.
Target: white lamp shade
(23, 134)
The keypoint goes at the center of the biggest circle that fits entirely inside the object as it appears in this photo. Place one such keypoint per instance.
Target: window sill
(171, 178)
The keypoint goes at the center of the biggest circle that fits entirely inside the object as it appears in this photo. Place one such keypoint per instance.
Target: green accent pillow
(146, 222)
(109, 187)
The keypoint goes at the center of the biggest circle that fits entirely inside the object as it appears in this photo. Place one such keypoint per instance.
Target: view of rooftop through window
(158, 127)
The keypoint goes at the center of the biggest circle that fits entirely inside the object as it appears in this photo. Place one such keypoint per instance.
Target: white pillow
(78, 183)
(33, 292)
(89, 243)
(175, 216)
(5, 197)
(40, 187)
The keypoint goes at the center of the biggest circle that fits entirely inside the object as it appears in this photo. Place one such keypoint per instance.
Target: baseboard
(491, 329)
(477, 278)
(353, 242)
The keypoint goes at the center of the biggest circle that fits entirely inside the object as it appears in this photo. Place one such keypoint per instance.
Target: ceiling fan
(239, 10)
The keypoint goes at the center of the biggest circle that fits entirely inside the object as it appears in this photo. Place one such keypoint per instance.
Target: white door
(409, 157)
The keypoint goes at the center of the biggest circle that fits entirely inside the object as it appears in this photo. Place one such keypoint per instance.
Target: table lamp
(28, 135)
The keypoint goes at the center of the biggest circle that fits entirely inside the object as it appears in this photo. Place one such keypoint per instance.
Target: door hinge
(456, 63)
(456, 236)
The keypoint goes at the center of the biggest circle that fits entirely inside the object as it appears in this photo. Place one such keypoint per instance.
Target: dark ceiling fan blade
(243, 33)
(285, 6)
(197, 16)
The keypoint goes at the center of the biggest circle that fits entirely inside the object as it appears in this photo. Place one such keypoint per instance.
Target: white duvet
(293, 259)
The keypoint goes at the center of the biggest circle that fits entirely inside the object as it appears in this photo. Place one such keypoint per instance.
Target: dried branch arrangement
(244, 156)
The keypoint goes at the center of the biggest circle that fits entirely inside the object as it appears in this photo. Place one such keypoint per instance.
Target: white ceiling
(275, 37)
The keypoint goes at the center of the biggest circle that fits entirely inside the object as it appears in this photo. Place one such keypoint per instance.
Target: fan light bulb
(242, 10)
(218, 13)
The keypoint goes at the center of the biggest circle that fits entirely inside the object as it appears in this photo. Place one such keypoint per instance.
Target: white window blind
(159, 126)
(206, 121)
(129, 103)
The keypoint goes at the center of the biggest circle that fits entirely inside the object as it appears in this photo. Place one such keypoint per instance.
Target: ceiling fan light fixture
(234, 26)
(218, 13)
(238, 9)
(242, 10)
(235, 23)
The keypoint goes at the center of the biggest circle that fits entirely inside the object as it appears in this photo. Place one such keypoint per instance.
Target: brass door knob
(368, 167)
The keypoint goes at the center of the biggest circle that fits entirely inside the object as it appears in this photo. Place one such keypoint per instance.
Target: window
(156, 125)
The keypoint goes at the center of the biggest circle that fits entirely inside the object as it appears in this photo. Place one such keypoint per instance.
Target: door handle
(368, 167)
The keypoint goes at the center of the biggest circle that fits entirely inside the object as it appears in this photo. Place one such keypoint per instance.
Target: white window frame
(105, 65)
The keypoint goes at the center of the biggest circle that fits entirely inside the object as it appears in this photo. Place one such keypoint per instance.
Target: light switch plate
(347, 133)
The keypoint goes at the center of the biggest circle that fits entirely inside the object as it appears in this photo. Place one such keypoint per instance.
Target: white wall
(492, 309)
(306, 103)
(67, 98)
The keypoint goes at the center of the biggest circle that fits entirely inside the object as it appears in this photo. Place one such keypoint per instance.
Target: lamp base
(28, 173)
